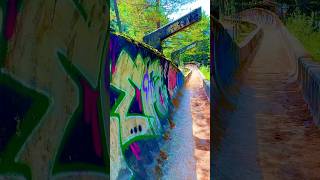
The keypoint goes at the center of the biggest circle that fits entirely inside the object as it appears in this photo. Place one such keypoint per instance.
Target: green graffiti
(9, 163)
(77, 77)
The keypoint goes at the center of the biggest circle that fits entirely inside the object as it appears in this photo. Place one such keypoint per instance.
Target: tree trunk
(158, 7)
(117, 15)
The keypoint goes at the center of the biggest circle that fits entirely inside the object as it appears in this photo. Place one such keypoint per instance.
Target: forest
(137, 18)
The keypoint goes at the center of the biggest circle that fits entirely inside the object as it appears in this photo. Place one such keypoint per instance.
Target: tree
(200, 31)
(171, 6)
(138, 17)
(117, 14)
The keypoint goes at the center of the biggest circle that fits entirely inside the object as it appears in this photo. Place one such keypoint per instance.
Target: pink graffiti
(135, 150)
(172, 78)
(161, 98)
(11, 18)
(91, 114)
(113, 58)
(138, 97)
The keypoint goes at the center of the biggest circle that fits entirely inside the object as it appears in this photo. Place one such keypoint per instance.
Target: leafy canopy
(140, 17)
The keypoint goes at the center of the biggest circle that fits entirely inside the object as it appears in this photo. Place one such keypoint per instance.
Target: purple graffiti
(11, 19)
(145, 88)
(135, 150)
(91, 114)
(149, 86)
(138, 97)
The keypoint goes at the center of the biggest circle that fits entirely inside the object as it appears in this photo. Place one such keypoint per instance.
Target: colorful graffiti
(51, 108)
(84, 141)
(8, 18)
(21, 109)
(11, 18)
(142, 85)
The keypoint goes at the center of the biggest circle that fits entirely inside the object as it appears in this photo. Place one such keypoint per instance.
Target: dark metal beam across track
(154, 38)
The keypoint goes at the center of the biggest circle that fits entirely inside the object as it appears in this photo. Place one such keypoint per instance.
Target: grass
(205, 70)
(301, 27)
(185, 71)
(245, 29)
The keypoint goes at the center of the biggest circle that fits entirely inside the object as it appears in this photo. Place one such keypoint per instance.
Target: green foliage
(205, 70)
(200, 32)
(301, 27)
(229, 7)
(138, 17)
(185, 71)
(171, 6)
(244, 29)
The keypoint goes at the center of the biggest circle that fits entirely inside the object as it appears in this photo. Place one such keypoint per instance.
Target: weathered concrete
(205, 84)
(50, 56)
(270, 133)
(154, 38)
(180, 144)
(143, 84)
(200, 109)
(309, 78)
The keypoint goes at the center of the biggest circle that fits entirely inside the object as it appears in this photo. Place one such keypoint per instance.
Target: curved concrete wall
(206, 85)
(294, 48)
(226, 60)
(187, 77)
(304, 69)
(54, 92)
(249, 45)
(309, 78)
(228, 57)
(51, 104)
(142, 86)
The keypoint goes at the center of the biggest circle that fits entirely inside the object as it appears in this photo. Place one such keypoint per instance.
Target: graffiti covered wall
(51, 100)
(142, 86)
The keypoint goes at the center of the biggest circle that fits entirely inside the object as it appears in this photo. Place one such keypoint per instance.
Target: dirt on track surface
(270, 134)
(200, 110)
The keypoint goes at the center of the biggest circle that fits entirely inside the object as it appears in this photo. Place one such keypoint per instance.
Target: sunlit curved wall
(142, 86)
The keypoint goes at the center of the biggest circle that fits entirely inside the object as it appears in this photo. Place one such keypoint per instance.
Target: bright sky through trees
(185, 9)
(140, 17)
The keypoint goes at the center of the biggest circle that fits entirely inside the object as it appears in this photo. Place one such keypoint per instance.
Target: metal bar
(154, 38)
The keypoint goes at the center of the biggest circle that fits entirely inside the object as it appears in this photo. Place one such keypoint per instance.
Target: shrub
(205, 70)
(301, 26)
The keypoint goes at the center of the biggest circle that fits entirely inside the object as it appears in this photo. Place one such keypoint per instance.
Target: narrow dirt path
(270, 135)
(200, 110)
